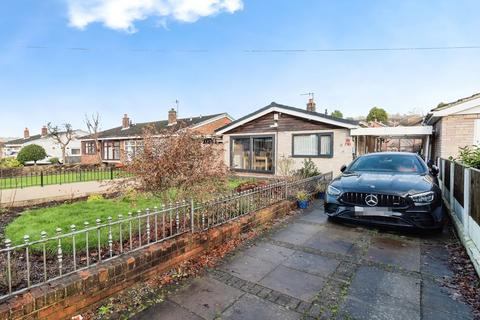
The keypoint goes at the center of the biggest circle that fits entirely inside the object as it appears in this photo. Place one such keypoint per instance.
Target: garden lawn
(33, 222)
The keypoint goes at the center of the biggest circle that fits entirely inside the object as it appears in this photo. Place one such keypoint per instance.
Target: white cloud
(121, 14)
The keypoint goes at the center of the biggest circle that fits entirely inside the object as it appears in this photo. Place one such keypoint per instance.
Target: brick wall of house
(64, 298)
(453, 132)
(209, 128)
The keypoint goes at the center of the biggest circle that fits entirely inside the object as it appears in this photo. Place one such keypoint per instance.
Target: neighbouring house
(51, 146)
(455, 125)
(120, 144)
(263, 141)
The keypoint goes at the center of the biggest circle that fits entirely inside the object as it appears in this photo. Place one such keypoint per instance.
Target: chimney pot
(26, 133)
(125, 122)
(44, 131)
(311, 105)
(172, 117)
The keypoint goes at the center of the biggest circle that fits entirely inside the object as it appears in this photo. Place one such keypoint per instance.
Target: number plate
(374, 211)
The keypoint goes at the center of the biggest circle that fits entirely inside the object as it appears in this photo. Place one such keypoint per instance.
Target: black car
(387, 188)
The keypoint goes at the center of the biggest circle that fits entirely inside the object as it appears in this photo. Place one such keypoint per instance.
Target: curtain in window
(325, 145)
(305, 145)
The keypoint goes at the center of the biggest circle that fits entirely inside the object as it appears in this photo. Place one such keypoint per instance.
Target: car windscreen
(397, 163)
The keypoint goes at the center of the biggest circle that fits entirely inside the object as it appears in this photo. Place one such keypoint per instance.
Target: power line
(294, 51)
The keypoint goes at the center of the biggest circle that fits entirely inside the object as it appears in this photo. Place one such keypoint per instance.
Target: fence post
(442, 175)
(111, 173)
(466, 200)
(286, 190)
(192, 215)
(41, 178)
(452, 184)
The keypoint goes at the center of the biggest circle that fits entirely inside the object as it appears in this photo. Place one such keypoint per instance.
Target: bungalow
(51, 146)
(120, 144)
(260, 142)
(455, 125)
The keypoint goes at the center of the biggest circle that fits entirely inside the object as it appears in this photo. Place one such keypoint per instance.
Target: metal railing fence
(12, 179)
(47, 257)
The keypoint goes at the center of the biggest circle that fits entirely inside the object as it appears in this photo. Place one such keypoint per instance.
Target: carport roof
(400, 131)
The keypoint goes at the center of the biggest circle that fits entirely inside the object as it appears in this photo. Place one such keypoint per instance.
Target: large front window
(133, 148)
(252, 153)
(313, 145)
(111, 150)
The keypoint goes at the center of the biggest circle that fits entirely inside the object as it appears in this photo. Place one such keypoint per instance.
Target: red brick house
(120, 144)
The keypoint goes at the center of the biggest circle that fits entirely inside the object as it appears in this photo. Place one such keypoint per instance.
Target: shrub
(54, 161)
(95, 197)
(32, 152)
(180, 160)
(321, 186)
(470, 156)
(302, 196)
(309, 169)
(10, 163)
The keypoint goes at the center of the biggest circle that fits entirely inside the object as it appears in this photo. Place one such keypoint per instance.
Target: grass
(35, 179)
(33, 222)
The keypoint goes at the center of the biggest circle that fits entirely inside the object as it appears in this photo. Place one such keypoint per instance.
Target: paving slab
(166, 311)
(250, 307)
(370, 284)
(297, 284)
(206, 297)
(333, 239)
(248, 268)
(269, 252)
(311, 263)
(442, 303)
(296, 233)
(434, 261)
(379, 308)
(395, 251)
(315, 216)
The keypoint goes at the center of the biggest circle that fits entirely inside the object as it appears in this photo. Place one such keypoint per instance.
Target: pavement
(312, 268)
(57, 192)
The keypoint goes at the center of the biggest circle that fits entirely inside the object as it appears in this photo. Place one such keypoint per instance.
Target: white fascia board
(290, 112)
(394, 131)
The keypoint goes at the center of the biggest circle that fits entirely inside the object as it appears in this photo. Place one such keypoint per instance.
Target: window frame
(110, 146)
(319, 150)
(89, 148)
(250, 157)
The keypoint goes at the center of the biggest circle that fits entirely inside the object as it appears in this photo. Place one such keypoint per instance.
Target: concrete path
(316, 269)
(58, 192)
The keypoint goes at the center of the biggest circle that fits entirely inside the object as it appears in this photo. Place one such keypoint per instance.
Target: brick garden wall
(64, 298)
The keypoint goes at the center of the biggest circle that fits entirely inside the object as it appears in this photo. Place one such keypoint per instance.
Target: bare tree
(62, 137)
(93, 125)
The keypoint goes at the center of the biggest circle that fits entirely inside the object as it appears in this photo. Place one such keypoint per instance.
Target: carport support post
(466, 199)
(452, 183)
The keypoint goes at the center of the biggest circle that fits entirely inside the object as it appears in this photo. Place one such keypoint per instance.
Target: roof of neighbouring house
(20, 141)
(137, 129)
(446, 109)
(321, 117)
(443, 106)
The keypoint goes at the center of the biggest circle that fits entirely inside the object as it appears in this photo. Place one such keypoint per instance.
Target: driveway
(311, 268)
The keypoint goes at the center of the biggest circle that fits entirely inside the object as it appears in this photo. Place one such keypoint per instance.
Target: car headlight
(332, 191)
(423, 198)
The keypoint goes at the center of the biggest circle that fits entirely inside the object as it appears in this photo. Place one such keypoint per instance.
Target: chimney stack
(125, 122)
(26, 133)
(172, 117)
(311, 105)
(44, 131)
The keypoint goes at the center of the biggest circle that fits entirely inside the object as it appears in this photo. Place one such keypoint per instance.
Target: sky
(62, 59)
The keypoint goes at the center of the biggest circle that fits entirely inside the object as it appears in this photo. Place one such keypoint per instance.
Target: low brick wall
(67, 297)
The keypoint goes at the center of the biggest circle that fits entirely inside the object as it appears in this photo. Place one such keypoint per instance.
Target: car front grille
(384, 200)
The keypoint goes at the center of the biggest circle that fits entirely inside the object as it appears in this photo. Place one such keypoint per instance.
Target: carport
(410, 139)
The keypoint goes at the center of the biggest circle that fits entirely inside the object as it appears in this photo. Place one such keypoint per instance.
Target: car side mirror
(343, 168)
(434, 170)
